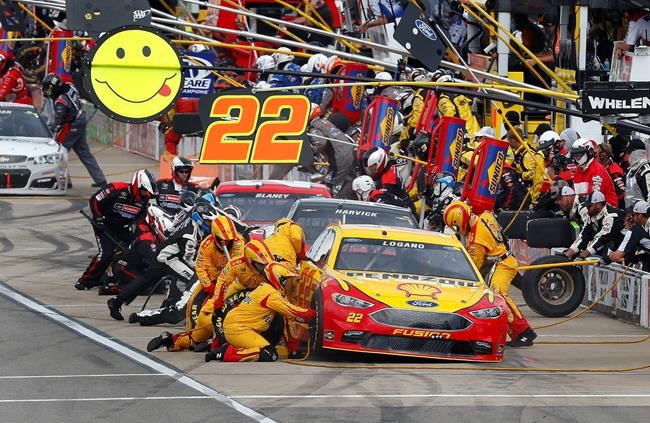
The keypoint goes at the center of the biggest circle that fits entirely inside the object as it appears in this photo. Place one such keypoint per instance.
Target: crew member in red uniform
(615, 171)
(169, 189)
(114, 209)
(13, 86)
(591, 175)
(378, 167)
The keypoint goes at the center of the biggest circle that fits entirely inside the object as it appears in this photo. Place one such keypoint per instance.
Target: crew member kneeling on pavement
(243, 325)
(114, 210)
(169, 189)
(602, 229)
(216, 249)
(485, 240)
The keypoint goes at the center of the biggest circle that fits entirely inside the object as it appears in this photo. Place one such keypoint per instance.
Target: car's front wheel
(316, 326)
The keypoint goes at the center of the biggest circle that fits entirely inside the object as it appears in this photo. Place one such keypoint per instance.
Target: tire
(554, 291)
(316, 327)
(549, 232)
(517, 229)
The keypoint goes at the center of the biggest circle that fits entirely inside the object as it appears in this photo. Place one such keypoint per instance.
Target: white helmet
(398, 123)
(547, 140)
(265, 62)
(197, 48)
(363, 186)
(582, 151)
(283, 55)
(143, 180)
(377, 162)
(419, 74)
(384, 76)
(317, 63)
(442, 75)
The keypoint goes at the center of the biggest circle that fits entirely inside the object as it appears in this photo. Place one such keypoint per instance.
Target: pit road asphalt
(52, 372)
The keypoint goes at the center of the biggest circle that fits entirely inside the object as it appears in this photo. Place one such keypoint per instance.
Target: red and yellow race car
(397, 291)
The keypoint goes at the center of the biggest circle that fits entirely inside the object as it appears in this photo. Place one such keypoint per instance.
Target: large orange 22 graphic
(243, 127)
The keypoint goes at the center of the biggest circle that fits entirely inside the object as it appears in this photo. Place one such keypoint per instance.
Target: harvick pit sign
(616, 98)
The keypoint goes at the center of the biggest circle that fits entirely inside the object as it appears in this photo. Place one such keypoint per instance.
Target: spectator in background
(382, 12)
(534, 39)
(638, 31)
(315, 8)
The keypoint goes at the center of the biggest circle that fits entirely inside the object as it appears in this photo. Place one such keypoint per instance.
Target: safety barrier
(627, 301)
(144, 139)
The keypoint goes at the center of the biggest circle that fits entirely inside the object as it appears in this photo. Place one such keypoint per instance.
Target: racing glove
(100, 222)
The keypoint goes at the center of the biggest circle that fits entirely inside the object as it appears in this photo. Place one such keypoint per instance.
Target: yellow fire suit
(244, 324)
(210, 262)
(532, 169)
(413, 118)
(287, 244)
(486, 240)
(460, 106)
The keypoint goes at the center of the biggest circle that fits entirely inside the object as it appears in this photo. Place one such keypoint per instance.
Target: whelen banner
(612, 98)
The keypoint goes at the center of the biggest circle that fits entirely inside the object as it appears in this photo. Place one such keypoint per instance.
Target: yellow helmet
(257, 252)
(457, 214)
(278, 275)
(223, 228)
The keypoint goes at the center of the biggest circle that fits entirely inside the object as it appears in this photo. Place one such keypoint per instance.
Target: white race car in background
(31, 161)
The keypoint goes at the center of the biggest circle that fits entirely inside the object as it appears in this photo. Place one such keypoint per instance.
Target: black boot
(216, 354)
(134, 318)
(115, 306)
(86, 284)
(165, 339)
(525, 339)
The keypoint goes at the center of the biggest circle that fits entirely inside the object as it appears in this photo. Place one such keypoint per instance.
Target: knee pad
(267, 354)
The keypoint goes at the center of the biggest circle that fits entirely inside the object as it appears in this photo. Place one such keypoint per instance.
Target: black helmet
(52, 85)
(181, 164)
(188, 199)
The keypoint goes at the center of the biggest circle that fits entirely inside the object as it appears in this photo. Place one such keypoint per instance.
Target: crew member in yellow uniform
(244, 324)
(485, 240)
(223, 243)
(287, 244)
(455, 105)
(530, 165)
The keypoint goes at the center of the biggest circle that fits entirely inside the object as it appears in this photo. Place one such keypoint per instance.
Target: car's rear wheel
(316, 326)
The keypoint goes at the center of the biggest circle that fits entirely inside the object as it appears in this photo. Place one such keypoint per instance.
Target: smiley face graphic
(135, 74)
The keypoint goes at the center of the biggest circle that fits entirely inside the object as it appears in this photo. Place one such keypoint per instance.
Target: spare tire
(516, 229)
(553, 291)
(550, 232)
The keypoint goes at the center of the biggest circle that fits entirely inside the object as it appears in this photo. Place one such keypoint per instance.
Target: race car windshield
(404, 257)
(24, 123)
(259, 206)
(315, 217)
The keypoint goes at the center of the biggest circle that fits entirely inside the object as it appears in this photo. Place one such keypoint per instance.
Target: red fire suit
(183, 105)
(14, 83)
(595, 178)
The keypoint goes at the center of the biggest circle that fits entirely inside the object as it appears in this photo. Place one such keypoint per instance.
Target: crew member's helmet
(457, 215)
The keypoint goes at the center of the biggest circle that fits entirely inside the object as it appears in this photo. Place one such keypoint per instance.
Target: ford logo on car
(426, 29)
(422, 303)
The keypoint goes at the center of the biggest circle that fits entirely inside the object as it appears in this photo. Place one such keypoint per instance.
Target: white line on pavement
(101, 399)
(82, 376)
(357, 396)
(132, 354)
